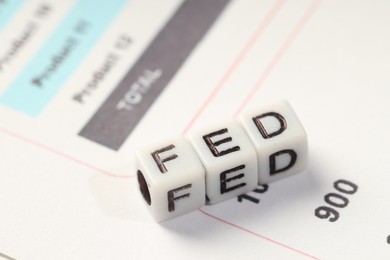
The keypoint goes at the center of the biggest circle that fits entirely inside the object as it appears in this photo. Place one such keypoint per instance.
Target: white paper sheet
(65, 195)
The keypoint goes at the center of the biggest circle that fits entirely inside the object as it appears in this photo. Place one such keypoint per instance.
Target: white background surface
(63, 197)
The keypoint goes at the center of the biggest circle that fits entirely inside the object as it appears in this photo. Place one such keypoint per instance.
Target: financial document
(84, 84)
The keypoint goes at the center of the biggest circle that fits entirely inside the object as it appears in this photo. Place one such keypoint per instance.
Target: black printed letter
(263, 131)
(272, 161)
(225, 180)
(160, 162)
(213, 145)
(172, 198)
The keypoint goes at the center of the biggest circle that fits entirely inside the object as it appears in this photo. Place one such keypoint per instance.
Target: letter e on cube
(229, 159)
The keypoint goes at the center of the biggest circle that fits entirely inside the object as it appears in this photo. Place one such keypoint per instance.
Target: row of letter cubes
(222, 161)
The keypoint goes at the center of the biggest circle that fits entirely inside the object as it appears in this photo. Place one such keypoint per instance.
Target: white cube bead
(279, 138)
(229, 159)
(171, 178)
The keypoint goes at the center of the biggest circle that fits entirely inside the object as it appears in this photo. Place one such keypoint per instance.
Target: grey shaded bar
(118, 116)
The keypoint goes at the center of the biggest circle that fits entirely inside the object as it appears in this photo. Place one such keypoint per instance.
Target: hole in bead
(143, 186)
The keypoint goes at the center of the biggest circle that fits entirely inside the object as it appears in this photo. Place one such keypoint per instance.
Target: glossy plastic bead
(229, 159)
(171, 178)
(222, 161)
(279, 139)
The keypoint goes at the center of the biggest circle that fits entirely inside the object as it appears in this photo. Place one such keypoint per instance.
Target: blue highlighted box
(7, 10)
(60, 56)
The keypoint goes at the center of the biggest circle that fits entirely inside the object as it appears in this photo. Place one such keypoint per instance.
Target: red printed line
(61, 154)
(260, 30)
(276, 7)
(289, 40)
(287, 43)
(297, 29)
(256, 234)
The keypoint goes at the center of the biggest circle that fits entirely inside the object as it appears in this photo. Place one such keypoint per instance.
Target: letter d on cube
(279, 139)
